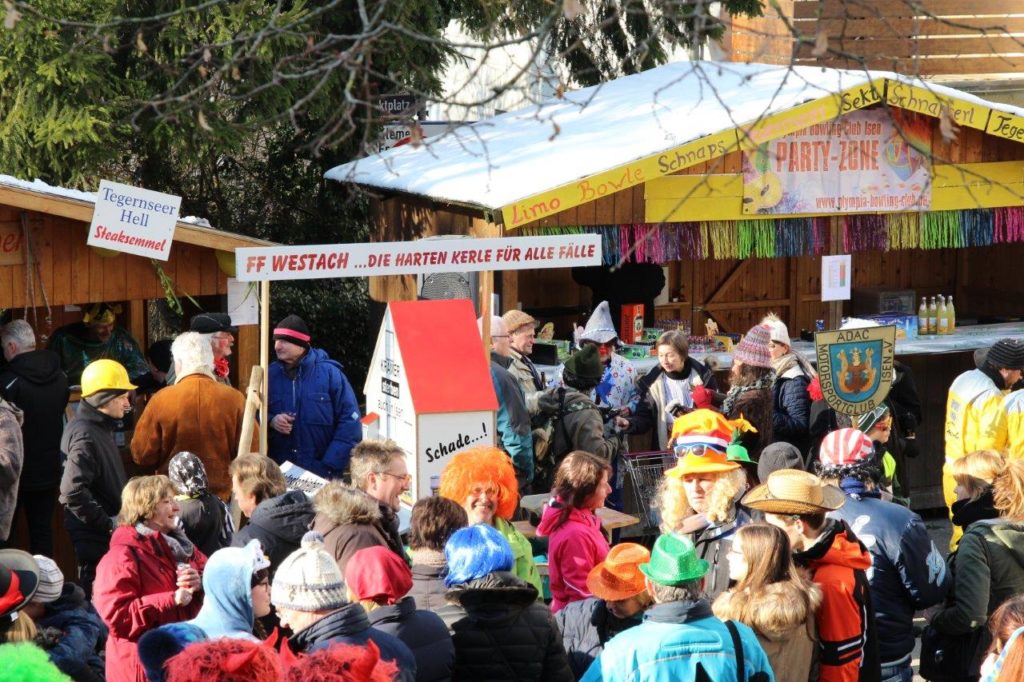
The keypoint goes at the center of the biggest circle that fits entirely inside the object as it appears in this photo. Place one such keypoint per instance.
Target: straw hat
(674, 561)
(514, 319)
(789, 491)
(618, 576)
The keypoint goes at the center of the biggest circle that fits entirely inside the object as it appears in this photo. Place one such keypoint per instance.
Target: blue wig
(474, 552)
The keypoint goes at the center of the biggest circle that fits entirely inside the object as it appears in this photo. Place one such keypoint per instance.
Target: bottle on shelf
(951, 315)
(922, 317)
(943, 316)
(933, 317)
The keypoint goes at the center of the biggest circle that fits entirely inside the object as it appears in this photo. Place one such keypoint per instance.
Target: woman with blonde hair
(989, 565)
(576, 542)
(149, 577)
(974, 474)
(774, 599)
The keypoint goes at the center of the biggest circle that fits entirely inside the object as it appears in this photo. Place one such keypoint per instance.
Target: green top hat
(674, 561)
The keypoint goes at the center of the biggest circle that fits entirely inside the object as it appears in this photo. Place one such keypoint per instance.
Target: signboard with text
(419, 257)
(865, 161)
(134, 220)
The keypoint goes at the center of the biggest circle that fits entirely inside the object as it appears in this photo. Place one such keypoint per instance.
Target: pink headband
(281, 331)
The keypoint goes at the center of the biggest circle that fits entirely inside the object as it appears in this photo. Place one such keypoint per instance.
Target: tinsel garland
(784, 237)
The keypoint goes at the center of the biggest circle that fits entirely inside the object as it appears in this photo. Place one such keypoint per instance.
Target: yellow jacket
(975, 415)
(1014, 404)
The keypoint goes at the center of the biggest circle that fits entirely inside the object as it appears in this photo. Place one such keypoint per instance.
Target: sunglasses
(697, 449)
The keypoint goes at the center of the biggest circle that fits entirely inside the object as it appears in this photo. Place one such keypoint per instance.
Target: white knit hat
(309, 579)
(779, 330)
(51, 580)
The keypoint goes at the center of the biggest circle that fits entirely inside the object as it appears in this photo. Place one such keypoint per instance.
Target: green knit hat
(586, 364)
(674, 561)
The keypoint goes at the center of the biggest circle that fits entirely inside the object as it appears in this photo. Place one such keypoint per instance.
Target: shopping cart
(645, 473)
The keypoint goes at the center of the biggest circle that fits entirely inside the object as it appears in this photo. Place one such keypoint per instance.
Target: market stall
(48, 275)
(733, 180)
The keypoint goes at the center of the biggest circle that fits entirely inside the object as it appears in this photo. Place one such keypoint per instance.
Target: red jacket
(847, 646)
(134, 592)
(574, 548)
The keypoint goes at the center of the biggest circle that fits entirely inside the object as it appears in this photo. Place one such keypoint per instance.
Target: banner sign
(420, 257)
(134, 220)
(855, 367)
(872, 161)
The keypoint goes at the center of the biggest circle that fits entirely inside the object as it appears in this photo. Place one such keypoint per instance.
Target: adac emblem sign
(855, 367)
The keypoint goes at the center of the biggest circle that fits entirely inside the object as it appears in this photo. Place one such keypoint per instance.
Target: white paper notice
(134, 220)
(836, 274)
(243, 302)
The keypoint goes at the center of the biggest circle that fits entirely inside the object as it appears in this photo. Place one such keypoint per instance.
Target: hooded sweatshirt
(35, 382)
(782, 617)
(847, 646)
(227, 610)
(574, 548)
(279, 524)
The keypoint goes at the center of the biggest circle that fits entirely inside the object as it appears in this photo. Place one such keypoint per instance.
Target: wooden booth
(48, 275)
(673, 167)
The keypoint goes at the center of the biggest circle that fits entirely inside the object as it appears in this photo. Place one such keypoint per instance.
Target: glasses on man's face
(499, 336)
(404, 478)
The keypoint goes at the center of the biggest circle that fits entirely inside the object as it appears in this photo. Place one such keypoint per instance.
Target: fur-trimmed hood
(775, 611)
(341, 505)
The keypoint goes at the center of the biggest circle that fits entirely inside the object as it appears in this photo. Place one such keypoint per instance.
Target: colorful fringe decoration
(791, 237)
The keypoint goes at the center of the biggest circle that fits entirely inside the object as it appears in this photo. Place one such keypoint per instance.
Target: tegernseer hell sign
(134, 220)
(412, 258)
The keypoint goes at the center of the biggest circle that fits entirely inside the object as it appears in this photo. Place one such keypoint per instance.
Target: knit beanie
(866, 422)
(777, 456)
(753, 349)
(586, 364)
(293, 329)
(1006, 354)
(309, 579)
(378, 574)
(101, 398)
(51, 580)
(188, 474)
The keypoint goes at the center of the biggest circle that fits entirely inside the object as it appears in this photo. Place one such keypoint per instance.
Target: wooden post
(264, 361)
(486, 287)
(253, 401)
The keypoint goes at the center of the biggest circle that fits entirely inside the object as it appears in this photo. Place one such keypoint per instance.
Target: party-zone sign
(864, 162)
(425, 256)
(134, 220)
(855, 367)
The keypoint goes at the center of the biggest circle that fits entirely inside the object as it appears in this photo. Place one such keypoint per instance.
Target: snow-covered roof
(37, 195)
(533, 162)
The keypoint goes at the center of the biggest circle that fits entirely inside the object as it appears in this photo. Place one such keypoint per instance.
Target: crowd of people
(787, 549)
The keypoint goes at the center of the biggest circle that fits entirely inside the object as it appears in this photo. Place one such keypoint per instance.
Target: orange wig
(484, 464)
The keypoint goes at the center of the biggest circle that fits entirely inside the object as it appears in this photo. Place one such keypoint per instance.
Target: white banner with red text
(425, 256)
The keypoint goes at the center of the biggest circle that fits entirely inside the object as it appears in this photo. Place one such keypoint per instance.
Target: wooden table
(610, 518)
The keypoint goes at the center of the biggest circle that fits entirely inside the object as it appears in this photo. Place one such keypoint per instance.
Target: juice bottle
(922, 317)
(933, 317)
(951, 313)
(943, 316)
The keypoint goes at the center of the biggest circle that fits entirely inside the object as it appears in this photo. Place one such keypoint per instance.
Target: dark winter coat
(791, 409)
(423, 632)
(428, 587)
(350, 625)
(12, 454)
(93, 477)
(907, 573)
(35, 382)
(279, 524)
(73, 635)
(134, 593)
(712, 542)
(586, 627)
(203, 519)
(358, 522)
(505, 634)
(327, 420)
(988, 569)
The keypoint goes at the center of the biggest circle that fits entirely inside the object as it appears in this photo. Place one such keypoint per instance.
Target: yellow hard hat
(105, 375)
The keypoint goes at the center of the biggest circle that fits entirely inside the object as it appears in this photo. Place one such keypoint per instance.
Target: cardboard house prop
(429, 387)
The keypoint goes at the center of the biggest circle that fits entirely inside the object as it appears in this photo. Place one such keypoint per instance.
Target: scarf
(221, 367)
(182, 548)
(762, 384)
(428, 557)
(791, 360)
(966, 512)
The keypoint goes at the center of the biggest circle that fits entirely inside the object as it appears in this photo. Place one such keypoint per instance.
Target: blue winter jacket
(73, 635)
(327, 415)
(680, 641)
(907, 571)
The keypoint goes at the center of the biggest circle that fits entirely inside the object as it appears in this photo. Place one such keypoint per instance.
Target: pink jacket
(574, 548)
